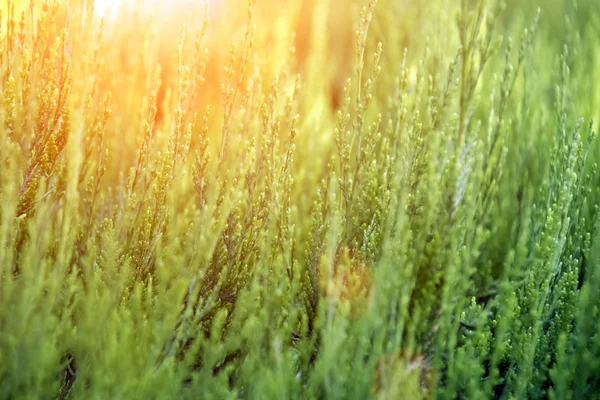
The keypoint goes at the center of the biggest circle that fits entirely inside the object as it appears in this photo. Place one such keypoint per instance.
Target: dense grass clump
(278, 199)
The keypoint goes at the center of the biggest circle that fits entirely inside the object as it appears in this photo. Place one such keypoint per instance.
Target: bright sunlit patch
(109, 8)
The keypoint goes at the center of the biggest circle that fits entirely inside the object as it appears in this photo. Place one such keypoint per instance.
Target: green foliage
(426, 229)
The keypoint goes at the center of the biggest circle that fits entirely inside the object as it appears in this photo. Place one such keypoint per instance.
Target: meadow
(300, 199)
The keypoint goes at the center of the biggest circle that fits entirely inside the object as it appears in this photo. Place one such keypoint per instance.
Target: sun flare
(289, 199)
(109, 8)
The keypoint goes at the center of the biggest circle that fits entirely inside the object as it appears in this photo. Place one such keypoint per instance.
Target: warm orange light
(105, 8)
(109, 8)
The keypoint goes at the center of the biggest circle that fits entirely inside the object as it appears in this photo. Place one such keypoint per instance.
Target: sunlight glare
(105, 8)
(109, 8)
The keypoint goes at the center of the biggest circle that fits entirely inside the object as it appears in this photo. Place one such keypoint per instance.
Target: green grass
(411, 211)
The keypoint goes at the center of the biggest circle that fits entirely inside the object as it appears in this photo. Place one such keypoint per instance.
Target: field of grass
(300, 199)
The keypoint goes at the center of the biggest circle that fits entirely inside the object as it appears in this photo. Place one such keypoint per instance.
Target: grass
(281, 200)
